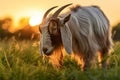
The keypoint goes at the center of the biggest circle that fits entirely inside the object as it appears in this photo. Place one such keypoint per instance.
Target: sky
(25, 8)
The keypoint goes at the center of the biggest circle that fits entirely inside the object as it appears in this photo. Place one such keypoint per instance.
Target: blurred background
(20, 19)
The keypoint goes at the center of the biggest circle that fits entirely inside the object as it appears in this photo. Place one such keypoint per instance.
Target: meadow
(20, 60)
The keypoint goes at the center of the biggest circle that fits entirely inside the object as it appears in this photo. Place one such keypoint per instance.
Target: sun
(35, 20)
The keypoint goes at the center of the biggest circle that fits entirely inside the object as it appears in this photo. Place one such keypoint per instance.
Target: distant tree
(116, 32)
(23, 22)
(5, 24)
(25, 30)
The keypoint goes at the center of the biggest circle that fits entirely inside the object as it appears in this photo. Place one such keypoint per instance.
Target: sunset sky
(25, 8)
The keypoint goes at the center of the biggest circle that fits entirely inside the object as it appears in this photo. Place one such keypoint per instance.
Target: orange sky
(22, 8)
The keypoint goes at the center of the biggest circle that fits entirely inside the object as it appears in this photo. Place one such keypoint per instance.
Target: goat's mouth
(49, 51)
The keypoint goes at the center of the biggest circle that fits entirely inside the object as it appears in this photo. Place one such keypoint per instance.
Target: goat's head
(52, 28)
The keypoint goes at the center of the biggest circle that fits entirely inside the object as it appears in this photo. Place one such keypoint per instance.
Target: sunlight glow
(35, 20)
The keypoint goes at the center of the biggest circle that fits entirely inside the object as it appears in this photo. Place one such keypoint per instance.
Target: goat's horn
(46, 13)
(59, 10)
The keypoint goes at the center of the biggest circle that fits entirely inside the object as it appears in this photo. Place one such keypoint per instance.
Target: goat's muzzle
(48, 51)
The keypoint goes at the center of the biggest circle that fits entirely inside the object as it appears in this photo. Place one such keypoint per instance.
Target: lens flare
(35, 20)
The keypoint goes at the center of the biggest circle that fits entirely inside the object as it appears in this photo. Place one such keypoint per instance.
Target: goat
(82, 32)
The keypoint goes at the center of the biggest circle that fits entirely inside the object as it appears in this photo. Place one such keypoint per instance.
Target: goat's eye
(52, 27)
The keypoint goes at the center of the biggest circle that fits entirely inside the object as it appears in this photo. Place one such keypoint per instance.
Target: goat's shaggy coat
(86, 33)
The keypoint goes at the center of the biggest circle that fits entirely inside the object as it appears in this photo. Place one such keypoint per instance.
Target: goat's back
(90, 29)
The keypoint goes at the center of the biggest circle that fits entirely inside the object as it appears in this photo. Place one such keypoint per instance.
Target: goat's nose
(45, 50)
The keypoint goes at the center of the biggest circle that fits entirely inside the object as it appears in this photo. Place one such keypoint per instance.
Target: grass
(20, 60)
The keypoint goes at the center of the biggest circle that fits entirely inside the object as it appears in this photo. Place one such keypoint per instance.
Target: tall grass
(20, 60)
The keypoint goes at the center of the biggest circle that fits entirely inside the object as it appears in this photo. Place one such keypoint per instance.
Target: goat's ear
(66, 18)
(66, 38)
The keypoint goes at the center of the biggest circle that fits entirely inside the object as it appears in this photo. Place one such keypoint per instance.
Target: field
(20, 60)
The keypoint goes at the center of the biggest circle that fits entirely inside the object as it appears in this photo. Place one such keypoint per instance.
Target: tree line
(24, 30)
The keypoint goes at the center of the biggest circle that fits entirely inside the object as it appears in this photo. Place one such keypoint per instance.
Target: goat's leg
(88, 60)
(103, 58)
